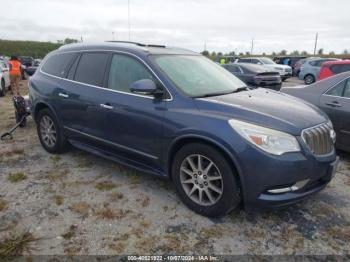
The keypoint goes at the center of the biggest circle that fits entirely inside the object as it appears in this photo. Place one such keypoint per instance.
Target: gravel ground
(77, 203)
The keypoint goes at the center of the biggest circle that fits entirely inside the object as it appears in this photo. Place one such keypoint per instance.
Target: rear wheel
(204, 180)
(2, 88)
(309, 79)
(50, 135)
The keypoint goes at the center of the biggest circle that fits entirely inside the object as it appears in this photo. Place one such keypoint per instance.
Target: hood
(282, 67)
(265, 108)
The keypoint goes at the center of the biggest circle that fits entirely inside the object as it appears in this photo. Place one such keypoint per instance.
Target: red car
(332, 68)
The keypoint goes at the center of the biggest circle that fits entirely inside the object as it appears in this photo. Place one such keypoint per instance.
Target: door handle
(106, 106)
(334, 104)
(63, 95)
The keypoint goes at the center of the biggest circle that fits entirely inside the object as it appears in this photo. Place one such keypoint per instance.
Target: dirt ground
(78, 203)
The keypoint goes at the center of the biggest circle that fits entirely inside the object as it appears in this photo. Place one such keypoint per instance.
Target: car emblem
(332, 135)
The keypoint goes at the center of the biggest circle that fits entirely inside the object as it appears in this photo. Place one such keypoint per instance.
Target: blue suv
(173, 113)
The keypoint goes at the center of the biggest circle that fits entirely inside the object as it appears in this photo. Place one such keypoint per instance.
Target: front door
(336, 103)
(132, 123)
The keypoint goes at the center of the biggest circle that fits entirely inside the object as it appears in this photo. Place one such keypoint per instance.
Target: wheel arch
(188, 139)
(40, 106)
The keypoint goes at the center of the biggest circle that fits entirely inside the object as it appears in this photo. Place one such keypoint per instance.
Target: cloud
(224, 25)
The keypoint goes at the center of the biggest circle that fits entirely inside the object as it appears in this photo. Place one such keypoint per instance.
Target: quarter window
(91, 68)
(57, 64)
(124, 71)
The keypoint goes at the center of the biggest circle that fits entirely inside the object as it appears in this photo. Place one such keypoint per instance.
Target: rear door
(82, 93)
(336, 103)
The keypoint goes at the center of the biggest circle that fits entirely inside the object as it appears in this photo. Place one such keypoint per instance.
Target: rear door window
(58, 64)
(347, 89)
(91, 68)
(338, 89)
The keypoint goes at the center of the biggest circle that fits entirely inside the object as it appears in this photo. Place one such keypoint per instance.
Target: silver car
(311, 68)
(332, 95)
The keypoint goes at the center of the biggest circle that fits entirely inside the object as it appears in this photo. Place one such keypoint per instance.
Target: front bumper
(263, 173)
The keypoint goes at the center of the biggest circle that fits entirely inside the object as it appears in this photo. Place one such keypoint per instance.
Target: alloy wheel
(48, 131)
(201, 180)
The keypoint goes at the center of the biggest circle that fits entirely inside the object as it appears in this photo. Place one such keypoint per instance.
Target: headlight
(270, 140)
(278, 68)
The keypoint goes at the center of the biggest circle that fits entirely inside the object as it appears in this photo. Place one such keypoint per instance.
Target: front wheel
(50, 135)
(205, 180)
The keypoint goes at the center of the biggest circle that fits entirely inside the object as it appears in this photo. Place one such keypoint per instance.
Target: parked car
(30, 70)
(299, 63)
(174, 113)
(332, 68)
(26, 60)
(255, 75)
(332, 95)
(311, 68)
(288, 60)
(4, 77)
(284, 70)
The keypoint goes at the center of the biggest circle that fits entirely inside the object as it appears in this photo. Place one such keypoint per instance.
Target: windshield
(267, 61)
(197, 76)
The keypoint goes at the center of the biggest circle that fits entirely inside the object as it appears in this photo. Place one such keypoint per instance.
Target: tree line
(31, 48)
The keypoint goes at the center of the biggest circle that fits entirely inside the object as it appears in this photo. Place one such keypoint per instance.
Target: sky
(220, 25)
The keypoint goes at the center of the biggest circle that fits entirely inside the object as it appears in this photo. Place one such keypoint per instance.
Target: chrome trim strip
(113, 51)
(298, 185)
(112, 143)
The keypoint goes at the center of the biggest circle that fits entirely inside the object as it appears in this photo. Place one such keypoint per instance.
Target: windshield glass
(267, 61)
(197, 76)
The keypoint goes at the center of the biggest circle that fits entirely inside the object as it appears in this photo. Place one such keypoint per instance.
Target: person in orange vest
(15, 74)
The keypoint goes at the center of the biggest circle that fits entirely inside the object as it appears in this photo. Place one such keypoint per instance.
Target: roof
(337, 62)
(126, 46)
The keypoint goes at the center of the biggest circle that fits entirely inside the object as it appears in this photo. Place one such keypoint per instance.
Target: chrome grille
(319, 139)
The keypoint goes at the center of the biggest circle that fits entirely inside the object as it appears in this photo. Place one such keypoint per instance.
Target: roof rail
(135, 43)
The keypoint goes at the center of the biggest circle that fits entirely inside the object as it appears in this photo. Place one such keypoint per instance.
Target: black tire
(309, 79)
(61, 144)
(230, 197)
(2, 88)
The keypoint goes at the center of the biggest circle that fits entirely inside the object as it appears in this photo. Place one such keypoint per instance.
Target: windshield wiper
(239, 89)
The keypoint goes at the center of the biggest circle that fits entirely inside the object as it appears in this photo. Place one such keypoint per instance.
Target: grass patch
(71, 232)
(55, 159)
(144, 201)
(82, 208)
(107, 213)
(115, 196)
(16, 177)
(3, 205)
(58, 200)
(16, 245)
(105, 186)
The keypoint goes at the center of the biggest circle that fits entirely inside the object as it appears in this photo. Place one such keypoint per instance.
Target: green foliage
(27, 48)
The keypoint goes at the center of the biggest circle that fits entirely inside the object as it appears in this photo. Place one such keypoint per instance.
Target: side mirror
(145, 87)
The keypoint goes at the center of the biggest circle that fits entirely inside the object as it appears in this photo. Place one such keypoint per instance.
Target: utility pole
(113, 35)
(316, 39)
(129, 18)
(252, 47)
(205, 46)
